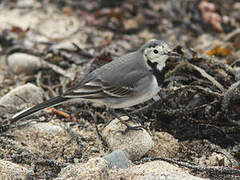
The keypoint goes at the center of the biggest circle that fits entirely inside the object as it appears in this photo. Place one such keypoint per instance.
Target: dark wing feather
(51, 102)
(116, 78)
(118, 91)
(98, 92)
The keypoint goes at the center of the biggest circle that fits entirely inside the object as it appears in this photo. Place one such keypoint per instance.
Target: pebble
(95, 168)
(134, 143)
(234, 38)
(58, 27)
(118, 159)
(98, 168)
(214, 159)
(154, 170)
(48, 127)
(27, 93)
(9, 170)
(165, 145)
(23, 63)
(236, 6)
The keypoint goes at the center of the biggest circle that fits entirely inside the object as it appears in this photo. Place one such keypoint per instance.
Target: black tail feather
(51, 102)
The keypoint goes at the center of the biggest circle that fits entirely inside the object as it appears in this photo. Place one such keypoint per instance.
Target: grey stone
(160, 170)
(134, 143)
(96, 168)
(23, 63)
(28, 92)
(9, 170)
(118, 159)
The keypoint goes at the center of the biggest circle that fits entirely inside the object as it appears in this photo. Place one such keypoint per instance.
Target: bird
(126, 81)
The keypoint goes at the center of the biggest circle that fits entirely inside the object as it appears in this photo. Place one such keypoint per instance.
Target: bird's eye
(155, 51)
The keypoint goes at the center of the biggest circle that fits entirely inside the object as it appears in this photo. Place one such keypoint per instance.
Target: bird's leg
(110, 114)
(95, 118)
(141, 110)
(131, 117)
(113, 115)
(129, 127)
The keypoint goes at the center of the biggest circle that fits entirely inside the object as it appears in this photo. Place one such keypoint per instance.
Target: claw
(129, 127)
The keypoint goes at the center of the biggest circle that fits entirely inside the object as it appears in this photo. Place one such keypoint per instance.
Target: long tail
(51, 102)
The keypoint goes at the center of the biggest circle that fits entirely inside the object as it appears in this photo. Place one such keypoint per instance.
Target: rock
(236, 6)
(118, 159)
(231, 103)
(131, 24)
(165, 145)
(234, 37)
(46, 127)
(9, 170)
(37, 138)
(26, 93)
(206, 42)
(1, 78)
(151, 171)
(58, 27)
(96, 168)
(208, 154)
(23, 63)
(25, 3)
(214, 159)
(135, 143)
(146, 35)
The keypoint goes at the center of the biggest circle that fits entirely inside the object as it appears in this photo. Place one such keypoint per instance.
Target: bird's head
(156, 52)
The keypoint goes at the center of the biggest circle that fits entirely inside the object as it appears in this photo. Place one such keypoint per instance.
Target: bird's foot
(129, 127)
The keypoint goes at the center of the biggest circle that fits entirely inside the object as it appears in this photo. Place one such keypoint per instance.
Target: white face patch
(157, 54)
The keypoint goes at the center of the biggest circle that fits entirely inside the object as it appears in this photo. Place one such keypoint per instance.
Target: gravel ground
(192, 132)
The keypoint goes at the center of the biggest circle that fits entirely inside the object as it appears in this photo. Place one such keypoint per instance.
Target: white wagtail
(126, 81)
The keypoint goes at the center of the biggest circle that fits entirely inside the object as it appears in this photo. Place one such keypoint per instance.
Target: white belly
(145, 94)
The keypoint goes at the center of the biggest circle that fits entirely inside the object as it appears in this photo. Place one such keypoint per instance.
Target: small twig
(200, 70)
(58, 70)
(24, 100)
(51, 163)
(56, 165)
(18, 49)
(210, 169)
(82, 52)
(94, 116)
(199, 88)
(74, 136)
(40, 84)
(144, 108)
(209, 77)
(228, 158)
(61, 113)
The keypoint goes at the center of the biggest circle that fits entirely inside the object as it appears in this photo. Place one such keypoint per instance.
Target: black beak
(174, 54)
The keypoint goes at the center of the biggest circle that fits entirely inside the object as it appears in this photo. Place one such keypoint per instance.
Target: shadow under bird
(126, 81)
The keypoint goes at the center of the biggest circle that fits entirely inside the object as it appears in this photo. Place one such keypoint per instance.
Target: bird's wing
(117, 79)
(97, 89)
